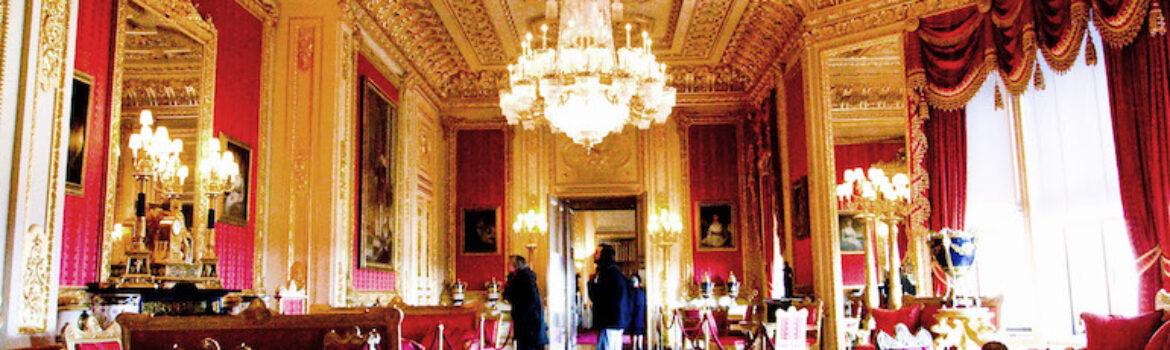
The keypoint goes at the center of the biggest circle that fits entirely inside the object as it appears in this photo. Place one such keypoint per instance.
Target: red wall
(480, 175)
(369, 279)
(82, 223)
(714, 175)
(237, 114)
(802, 267)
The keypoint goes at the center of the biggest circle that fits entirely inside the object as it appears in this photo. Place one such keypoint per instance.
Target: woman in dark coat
(637, 329)
(522, 293)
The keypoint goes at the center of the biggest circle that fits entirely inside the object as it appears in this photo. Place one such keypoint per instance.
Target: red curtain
(949, 55)
(946, 164)
(1139, 95)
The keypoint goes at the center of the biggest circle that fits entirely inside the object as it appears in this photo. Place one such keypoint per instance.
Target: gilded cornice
(264, 10)
(370, 29)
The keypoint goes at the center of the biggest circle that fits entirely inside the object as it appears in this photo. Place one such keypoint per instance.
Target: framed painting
(717, 226)
(81, 104)
(800, 215)
(481, 231)
(376, 132)
(235, 202)
(851, 234)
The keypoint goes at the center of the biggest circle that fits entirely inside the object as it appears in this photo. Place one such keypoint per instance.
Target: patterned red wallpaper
(480, 183)
(82, 223)
(237, 114)
(714, 176)
(802, 267)
(370, 279)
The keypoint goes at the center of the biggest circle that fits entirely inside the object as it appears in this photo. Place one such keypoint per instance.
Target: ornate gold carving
(728, 45)
(265, 10)
(709, 16)
(611, 162)
(158, 92)
(306, 38)
(264, 165)
(477, 25)
(37, 239)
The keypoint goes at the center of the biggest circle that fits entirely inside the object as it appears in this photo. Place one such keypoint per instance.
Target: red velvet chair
(1147, 331)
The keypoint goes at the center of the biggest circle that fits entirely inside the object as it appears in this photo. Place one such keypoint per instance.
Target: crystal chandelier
(585, 87)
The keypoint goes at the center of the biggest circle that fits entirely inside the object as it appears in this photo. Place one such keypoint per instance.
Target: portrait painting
(716, 223)
(481, 231)
(852, 234)
(800, 214)
(78, 119)
(376, 186)
(235, 202)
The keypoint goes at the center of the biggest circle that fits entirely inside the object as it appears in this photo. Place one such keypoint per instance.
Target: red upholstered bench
(257, 327)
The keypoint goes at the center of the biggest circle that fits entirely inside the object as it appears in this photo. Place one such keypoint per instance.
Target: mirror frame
(822, 200)
(915, 145)
(183, 15)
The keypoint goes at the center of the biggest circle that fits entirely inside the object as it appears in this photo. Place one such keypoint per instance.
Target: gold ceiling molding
(471, 16)
(414, 27)
(264, 10)
(460, 47)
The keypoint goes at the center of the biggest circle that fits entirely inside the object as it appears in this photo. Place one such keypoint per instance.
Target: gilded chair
(93, 337)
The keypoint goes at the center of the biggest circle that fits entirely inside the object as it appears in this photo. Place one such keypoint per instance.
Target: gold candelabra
(533, 226)
(877, 198)
(154, 155)
(220, 171)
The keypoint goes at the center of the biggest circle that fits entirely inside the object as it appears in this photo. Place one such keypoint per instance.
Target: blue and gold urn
(954, 253)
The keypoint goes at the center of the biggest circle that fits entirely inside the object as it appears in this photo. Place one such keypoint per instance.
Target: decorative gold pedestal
(964, 328)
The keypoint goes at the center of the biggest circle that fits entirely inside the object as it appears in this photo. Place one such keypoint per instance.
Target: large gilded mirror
(163, 76)
(865, 96)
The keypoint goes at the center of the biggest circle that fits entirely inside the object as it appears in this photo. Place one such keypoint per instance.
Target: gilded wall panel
(615, 162)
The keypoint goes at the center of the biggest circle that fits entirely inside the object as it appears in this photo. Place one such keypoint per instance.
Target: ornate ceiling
(462, 47)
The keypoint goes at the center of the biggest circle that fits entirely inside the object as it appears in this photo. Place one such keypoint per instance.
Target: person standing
(608, 290)
(522, 293)
(637, 329)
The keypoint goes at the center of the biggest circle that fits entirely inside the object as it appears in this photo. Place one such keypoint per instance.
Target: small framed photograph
(81, 105)
(235, 202)
(717, 226)
(851, 234)
(481, 231)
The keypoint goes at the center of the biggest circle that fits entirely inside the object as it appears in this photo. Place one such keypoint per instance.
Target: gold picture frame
(707, 214)
(376, 162)
(479, 214)
(75, 159)
(237, 207)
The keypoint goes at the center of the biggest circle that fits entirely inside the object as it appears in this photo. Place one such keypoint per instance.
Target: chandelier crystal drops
(585, 87)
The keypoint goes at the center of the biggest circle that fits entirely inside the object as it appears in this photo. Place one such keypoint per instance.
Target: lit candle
(544, 36)
(628, 27)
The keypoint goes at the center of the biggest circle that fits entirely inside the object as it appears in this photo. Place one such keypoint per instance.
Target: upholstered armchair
(93, 337)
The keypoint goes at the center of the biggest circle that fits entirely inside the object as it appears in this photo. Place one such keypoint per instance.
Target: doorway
(587, 223)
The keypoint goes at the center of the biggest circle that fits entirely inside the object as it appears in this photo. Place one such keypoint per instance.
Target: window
(1043, 194)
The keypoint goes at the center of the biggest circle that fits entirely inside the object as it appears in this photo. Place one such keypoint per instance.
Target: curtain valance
(949, 55)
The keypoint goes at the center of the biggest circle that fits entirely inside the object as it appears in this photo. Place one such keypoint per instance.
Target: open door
(560, 312)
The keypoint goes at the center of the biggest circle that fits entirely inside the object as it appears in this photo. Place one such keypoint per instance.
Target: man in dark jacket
(608, 290)
(522, 293)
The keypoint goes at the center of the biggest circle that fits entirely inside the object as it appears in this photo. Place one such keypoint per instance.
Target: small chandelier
(585, 87)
